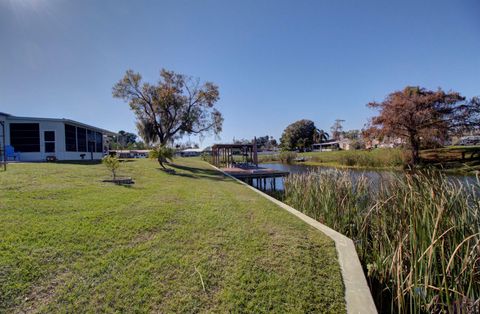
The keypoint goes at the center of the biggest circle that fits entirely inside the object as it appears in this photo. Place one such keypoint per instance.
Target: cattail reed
(417, 235)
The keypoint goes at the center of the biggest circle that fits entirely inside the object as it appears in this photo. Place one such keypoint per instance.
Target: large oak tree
(418, 116)
(299, 135)
(176, 105)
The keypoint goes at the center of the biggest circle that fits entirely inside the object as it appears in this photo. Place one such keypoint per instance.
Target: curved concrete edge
(358, 298)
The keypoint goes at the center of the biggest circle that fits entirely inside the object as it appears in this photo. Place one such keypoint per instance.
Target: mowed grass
(190, 242)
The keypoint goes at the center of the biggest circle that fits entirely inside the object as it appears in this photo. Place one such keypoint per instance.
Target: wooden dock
(247, 170)
(256, 174)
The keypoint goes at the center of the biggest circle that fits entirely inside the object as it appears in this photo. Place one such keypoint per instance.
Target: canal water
(374, 175)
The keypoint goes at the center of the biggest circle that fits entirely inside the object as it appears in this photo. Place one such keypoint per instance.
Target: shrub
(287, 157)
(112, 163)
(348, 160)
(206, 157)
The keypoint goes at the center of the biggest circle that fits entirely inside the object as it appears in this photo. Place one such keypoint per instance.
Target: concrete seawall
(357, 294)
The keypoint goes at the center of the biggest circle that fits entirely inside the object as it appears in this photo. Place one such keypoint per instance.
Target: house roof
(10, 117)
(192, 150)
(344, 140)
(231, 145)
(327, 143)
(129, 151)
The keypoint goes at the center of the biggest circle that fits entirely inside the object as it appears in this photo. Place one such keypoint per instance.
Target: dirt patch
(42, 295)
(143, 238)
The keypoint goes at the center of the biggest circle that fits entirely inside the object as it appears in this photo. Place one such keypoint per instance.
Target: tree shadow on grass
(87, 162)
(196, 173)
(127, 186)
(78, 162)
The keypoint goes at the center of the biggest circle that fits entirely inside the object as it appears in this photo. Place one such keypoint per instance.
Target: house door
(49, 139)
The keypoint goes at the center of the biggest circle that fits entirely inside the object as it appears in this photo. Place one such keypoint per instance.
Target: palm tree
(146, 131)
(320, 136)
(163, 154)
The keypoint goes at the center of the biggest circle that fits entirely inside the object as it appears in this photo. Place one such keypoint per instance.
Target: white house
(36, 139)
(469, 140)
(130, 153)
(326, 146)
(190, 152)
(385, 143)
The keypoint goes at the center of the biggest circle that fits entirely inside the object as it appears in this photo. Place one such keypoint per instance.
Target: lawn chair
(10, 151)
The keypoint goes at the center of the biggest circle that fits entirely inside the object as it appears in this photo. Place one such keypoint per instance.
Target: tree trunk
(415, 147)
(160, 161)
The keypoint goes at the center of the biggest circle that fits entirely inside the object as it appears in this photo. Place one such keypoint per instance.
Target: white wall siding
(60, 153)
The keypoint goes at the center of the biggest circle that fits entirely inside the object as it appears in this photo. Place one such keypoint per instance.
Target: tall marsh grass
(377, 158)
(283, 157)
(417, 235)
(287, 157)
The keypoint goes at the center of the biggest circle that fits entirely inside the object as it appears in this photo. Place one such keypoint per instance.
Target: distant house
(469, 140)
(385, 143)
(130, 153)
(326, 146)
(343, 144)
(39, 139)
(190, 152)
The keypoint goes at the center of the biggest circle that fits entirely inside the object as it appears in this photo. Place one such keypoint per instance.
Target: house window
(98, 142)
(82, 139)
(25, 137)
(79, 139)
(49, 147)
(70, 138)
(91, 140)
(49, 138)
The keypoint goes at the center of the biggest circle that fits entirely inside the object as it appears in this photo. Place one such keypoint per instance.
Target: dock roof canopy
(223, 154)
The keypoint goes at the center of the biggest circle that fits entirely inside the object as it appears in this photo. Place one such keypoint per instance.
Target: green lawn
(190, 242)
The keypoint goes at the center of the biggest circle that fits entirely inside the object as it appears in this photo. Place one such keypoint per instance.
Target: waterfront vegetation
(453, 159)
(375, 158)
(193, 241)
(287, 157)
(417, 234)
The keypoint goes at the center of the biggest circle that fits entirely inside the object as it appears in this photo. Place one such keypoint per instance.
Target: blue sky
(275, 61)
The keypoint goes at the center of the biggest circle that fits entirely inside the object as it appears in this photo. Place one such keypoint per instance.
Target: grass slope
(190, 242)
